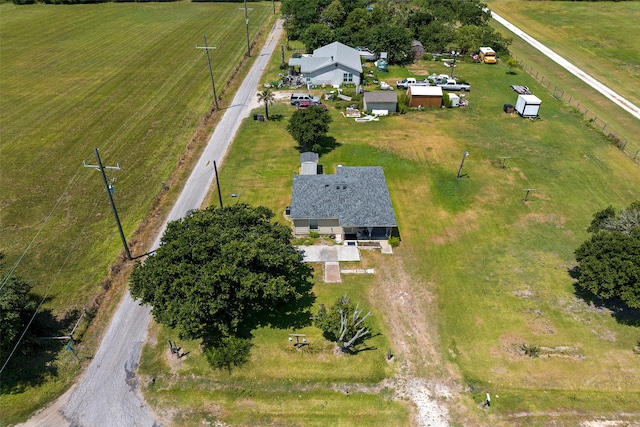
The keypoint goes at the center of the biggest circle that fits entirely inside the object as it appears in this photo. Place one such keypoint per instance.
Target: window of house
(313, 224)
(347, 77)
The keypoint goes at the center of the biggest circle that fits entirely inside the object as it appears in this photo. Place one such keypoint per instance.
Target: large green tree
(317, 35)
(17, 306)
(394, 39)
(308, 125)
(298, 15)
(222, 272)
(609, 261)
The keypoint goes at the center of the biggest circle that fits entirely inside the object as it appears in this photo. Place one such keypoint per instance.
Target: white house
(332, 64)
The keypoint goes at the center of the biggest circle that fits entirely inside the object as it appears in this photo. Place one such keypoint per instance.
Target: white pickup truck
(411, 81)
(452, 84)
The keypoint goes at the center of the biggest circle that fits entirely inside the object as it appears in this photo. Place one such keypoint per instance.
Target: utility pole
(109, 189)
(466, 153)
(206, 48)
(454, 54)
(246, 21)
(215, 168)
(528, 190)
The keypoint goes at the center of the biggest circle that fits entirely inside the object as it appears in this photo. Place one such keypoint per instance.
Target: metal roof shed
(425, 96)
(528, 105)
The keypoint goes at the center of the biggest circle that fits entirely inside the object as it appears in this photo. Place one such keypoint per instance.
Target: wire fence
(597, 123)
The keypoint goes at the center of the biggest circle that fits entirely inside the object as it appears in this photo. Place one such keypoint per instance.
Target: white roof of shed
(425, 90)
(530, 99)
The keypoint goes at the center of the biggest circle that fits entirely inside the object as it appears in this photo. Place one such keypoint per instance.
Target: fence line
(591, 117)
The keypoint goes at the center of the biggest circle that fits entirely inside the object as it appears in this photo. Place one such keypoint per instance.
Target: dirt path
(409, 314)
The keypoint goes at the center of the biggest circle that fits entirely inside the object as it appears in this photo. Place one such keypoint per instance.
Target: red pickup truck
(303, 105)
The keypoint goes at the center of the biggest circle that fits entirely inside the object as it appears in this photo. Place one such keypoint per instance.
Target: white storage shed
(528, 105)
(455, 100)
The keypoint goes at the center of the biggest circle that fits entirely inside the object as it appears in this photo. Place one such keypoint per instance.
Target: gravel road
(108, 393)
(609, 93)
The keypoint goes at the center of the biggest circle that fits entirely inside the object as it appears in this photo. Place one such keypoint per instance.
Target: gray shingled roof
(386, 96)
(328, 55)
(357, 196)
(341, 53)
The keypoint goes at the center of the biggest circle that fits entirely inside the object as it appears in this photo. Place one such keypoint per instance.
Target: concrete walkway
(325, 253)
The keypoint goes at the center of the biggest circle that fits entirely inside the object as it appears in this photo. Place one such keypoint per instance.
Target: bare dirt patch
(535, 218)
(410, 314)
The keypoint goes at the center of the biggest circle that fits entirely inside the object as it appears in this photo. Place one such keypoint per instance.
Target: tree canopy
(391, 25)
(308, 125)
(17, 305)
(222, 272)
(609, 261)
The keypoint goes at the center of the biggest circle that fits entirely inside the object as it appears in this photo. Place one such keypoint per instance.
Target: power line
(46, 294)
(246, 21)
(206, 47)
(109, 189)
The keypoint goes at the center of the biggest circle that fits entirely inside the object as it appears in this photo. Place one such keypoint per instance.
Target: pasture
(125, 78)
(595, 36)
(480, 274)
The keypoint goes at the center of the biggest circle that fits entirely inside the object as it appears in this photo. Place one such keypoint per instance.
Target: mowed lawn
(595, 36)
(125, 78)
(497, 266)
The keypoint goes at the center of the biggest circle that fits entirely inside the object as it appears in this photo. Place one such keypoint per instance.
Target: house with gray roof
(353, 204)
(333, 64)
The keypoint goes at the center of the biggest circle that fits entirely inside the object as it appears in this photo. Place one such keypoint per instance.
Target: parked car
(411, 81)
(300, 97)
(303, 105)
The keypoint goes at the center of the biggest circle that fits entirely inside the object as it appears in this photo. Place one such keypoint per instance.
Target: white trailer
(528, 105)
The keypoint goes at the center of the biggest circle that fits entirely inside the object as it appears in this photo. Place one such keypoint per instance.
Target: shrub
(446, 99)
(394, 241)
(532, 351)
(228, 352)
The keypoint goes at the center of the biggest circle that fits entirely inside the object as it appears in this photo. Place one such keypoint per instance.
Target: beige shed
(425, 96)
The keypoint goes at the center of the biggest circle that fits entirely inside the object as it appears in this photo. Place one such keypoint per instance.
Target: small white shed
(528, 105)
(309, 163)
(454, 99)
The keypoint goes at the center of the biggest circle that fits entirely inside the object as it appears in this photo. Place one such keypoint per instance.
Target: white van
(487, 55)
(299, 97)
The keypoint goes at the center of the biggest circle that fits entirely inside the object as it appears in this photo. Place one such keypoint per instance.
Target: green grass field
(596, 37)
(498, 266)
(125, 78)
